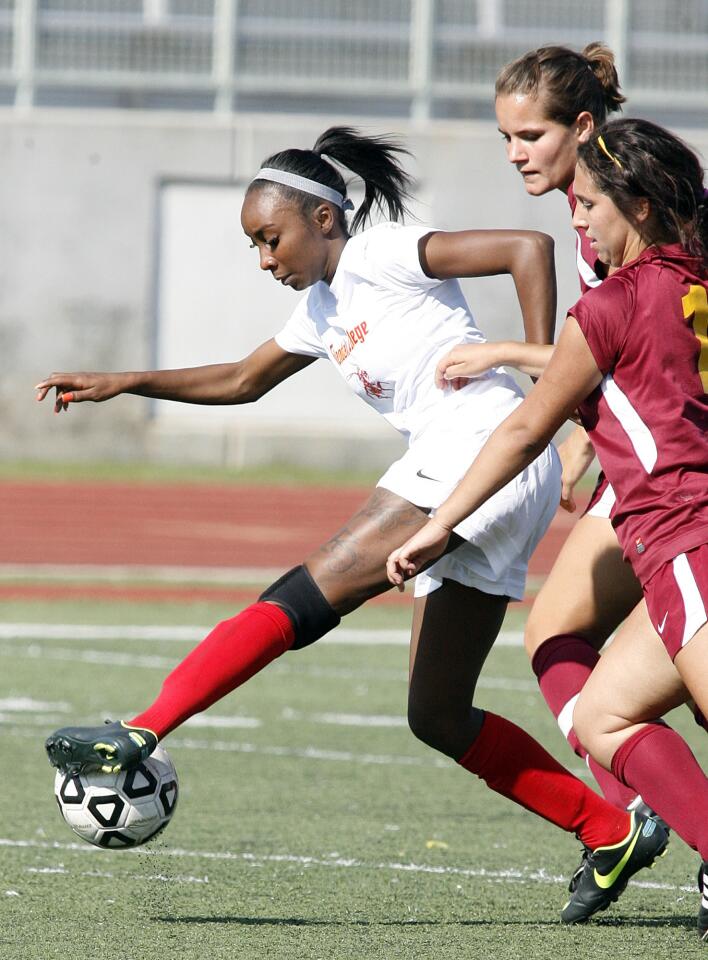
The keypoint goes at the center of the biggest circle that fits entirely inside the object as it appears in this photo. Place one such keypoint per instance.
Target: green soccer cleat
(638, 806)
(113, 747)
(606, 870)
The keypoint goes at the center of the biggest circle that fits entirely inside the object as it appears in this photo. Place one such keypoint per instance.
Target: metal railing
(405, 57)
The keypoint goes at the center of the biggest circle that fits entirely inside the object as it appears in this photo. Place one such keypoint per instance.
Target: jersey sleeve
(391, 253)
(299, 335)
(604, 315)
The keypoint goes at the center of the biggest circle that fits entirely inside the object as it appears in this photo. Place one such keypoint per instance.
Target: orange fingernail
(67, 397)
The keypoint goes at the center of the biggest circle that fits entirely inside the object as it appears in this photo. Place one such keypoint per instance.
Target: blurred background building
(130, 129)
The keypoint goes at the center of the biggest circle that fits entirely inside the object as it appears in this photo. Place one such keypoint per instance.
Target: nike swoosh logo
(661, 626)
(608, 880)
(424, 476)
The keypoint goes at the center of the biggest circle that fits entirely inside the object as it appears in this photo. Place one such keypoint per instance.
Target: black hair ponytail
(374, 159)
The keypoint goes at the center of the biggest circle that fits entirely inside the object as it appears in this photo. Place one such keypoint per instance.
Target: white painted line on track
(116, 658)
(357, 720)
(429, 759)
(223, 723)
(106, 875)
(231, 576)
(512, 875)
(29, 705)
(103, 658)
(193, 634)
(311, 753)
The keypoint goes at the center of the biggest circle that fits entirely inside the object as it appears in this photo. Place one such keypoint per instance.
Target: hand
(576, 454)
(77, 387)
(464, 362)
(425, 545)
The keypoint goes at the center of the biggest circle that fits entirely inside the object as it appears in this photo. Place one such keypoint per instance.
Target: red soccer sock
(562, 664)
(658, 763)
(234, 651)
(513, 764)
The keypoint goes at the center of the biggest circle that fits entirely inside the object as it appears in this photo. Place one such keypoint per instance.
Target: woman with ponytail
(548, 104)
(383, 306)
(633, 359)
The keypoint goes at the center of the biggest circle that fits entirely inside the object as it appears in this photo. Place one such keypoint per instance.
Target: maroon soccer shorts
(677, 598)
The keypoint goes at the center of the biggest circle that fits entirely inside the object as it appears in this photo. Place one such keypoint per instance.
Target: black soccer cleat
(578, 872)
(606, 870)
(644, 810)
(110, 748)
(639, 807)
(703, 906)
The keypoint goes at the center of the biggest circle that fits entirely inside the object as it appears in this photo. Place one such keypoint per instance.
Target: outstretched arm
(220, 383)
(526, 255)
(571, 375)
(472, 359)
(576, 454)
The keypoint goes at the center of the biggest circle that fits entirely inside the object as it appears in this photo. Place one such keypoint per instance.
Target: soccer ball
(120, 809)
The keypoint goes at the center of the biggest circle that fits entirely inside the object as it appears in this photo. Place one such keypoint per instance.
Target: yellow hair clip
(603, 146)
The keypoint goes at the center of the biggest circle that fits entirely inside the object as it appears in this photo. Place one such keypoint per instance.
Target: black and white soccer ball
(123, 809)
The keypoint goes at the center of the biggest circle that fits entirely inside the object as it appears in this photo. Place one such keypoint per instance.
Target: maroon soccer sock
(513, 764)
(659, 764)
(235, 650)
(562, 664)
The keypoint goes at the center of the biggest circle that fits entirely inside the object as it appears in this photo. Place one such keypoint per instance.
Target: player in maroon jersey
(548, 103)
(633, 358)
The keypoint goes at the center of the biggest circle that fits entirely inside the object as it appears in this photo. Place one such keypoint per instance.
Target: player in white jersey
(383, 307)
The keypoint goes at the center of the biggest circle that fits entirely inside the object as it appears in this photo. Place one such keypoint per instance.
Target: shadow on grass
(680, 922)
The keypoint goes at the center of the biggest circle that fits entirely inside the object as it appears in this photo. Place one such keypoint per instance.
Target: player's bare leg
(616, 717)
(294, 611)
(588, 593)
(692, 663)
(350, 568)
(634, 683)
(454, 629)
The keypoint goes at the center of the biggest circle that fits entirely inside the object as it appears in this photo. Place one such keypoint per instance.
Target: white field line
(300, 753)
(29, 705)
(109, 573)
(193, 634)
(357, 720)
(156, 573)
(116, 658)
(106, 875)
(512, 875)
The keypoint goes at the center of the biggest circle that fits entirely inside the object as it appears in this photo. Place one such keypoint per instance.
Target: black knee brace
(303, 601)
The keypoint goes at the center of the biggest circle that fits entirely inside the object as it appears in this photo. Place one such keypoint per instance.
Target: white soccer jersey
(384, 325)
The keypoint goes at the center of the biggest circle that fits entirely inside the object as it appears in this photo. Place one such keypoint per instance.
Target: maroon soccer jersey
(647, 328)
(591, 271)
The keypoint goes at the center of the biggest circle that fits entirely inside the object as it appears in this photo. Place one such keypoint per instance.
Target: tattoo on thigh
(391, 514)
(341, 551)
(382, 514)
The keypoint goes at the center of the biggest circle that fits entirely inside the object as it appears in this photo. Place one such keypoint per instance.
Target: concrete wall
(85, 278)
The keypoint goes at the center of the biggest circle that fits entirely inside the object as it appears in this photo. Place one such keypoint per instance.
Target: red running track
(185, 524)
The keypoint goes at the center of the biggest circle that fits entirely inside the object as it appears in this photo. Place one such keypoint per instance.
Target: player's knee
(431, 725)
(588, 726)
(303, 601)
(536, 632)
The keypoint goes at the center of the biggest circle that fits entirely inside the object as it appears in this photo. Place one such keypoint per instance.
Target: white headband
(307, 186)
